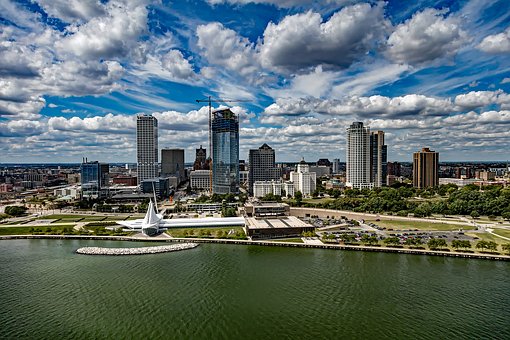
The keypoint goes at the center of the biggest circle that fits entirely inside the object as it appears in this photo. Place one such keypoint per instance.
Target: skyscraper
(225, 153)
(262, 166)
(358, 156)
(147, 147)
(172, 163)
(425, 168)
(94, 179)
(378, 159)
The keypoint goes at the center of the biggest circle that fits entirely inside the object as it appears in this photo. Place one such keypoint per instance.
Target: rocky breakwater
(135, 251)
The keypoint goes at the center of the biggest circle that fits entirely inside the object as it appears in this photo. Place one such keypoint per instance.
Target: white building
(243, 177)
(288, 187)
(262, 188)
(200, 179)
(358, 156)
(147, 147)
(68, 193)
(304, 180)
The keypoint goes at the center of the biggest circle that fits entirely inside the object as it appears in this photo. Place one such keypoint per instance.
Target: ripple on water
(225, 291)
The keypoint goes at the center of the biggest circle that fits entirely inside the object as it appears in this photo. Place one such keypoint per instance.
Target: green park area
(502, 232)
(223, 232)
(37, 230)
(420, 225)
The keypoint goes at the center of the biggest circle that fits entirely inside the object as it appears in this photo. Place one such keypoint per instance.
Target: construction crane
(210, 100)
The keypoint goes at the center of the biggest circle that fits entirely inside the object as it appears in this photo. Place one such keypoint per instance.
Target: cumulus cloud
(305, 40)
(476, 99)
(223, 46)
(408, 105)
(112, 35)
(72, 10)
(496, 43)
(427, 36)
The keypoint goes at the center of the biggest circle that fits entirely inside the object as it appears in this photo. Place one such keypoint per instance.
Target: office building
(262, 166)
(425, 168)
(336, 166)
(304, 180)
(201, 162)
(378, 159)
(200, 179)
(94, 179)
(225, 155)
(147, 147)
(358, 156)
(160, 186)
(172, 164)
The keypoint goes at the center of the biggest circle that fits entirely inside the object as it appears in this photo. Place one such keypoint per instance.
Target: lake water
(218, 291)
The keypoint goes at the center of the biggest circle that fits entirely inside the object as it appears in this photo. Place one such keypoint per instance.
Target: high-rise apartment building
(172, 164)
(225, 152)
(262, 166)
(147, 147)
(425, 168)
(304, 180)
(94, 179)
(358, 156)
(378, 159)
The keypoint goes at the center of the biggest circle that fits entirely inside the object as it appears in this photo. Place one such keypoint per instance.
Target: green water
(220, 291)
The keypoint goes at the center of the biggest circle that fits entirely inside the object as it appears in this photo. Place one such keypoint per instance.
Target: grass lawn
(486, 237)
(205, 232)
(64, 217)
(421, 225)
(317, 200)
(55, 229)
(502, 232)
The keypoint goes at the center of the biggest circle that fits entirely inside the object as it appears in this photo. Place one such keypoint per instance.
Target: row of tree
(448, 199)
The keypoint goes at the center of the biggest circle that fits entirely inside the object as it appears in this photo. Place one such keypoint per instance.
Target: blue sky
(74, 74)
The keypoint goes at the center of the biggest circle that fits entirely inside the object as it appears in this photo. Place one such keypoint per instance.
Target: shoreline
(270, 243)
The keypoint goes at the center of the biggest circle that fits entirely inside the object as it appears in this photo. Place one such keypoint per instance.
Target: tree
(506, 215)
(474, 214)
(481, 245)
(506, 247)
(15, 210)
(492, 246)
(298, 196)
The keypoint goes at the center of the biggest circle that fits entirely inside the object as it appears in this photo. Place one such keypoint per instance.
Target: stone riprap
(135, 251)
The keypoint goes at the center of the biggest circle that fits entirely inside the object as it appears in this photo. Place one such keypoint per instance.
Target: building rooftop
(275, 223)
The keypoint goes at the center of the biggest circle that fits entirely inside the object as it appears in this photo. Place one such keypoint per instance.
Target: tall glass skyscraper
(147, 147)
(94, 178)
(378, 159)
(225, 152)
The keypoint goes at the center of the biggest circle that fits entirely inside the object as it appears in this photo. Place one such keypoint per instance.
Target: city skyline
(431, 74)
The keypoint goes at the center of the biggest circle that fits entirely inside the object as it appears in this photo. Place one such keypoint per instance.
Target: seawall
(271, 244)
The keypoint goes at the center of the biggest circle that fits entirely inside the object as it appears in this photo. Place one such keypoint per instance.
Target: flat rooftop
(275, 223)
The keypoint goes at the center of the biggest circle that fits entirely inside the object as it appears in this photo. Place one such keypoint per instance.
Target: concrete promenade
(273, 244)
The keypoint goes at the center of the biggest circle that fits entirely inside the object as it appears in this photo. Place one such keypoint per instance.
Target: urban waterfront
(228, 291)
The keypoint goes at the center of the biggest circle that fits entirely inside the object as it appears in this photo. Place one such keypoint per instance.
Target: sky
(75, 73)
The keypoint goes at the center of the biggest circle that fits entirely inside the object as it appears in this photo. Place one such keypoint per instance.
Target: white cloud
(496, 43)
(505, 81)
(427, 36)
(223, 46)
(72, 10)
(303, 40)
(409, 105)
(112, 35)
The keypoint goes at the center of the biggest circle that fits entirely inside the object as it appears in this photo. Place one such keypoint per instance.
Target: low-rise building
(200, 179)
